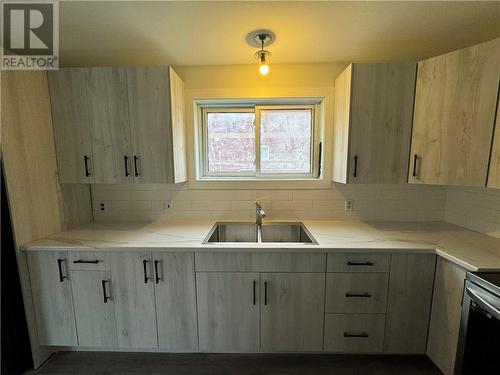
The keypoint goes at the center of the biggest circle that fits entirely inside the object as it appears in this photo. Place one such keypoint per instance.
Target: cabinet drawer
(88, 261)
(354, 333)
(358, 262)
(260, 262)
(356, 292)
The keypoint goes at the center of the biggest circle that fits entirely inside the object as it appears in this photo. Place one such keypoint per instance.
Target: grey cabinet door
(95, 314)
(109, 125)
(70, 118)
(175, 300)
(455, 103)
(150, 123)
(494, 169)
(132, 275)
(380, 122)
(52, 298)
(292, 311)
(228, 313)
(409, 303)
(446, 311)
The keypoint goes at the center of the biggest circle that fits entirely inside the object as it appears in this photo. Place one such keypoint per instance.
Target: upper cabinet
(372, 127)
(119, 125)
(494, 170)
(455, 103)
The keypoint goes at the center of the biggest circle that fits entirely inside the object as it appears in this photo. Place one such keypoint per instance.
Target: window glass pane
(285, 140)
(231, 142)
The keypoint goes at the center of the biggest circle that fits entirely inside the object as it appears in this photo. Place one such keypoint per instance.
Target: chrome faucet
(259, 213)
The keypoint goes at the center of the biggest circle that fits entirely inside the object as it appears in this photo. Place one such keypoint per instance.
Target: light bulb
(264, 69)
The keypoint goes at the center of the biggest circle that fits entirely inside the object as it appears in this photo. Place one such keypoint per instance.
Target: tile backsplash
(143, 202)
(474, 208)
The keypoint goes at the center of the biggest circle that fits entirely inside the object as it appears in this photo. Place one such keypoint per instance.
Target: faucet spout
(259, 214)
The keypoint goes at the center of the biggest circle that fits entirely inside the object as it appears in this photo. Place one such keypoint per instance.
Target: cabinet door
(134, 299)
(109, 125)
(445, 315)
(177, 111)
(175, 300)
(455, 104)
(381, 110)
(150, 123)
(70, 117)
(292, 311)
(228, 311)
(409, 303)
(494, 170)
(94, 308)
(52, 298)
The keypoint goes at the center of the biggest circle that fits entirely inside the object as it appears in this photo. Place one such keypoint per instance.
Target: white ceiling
(213, 33)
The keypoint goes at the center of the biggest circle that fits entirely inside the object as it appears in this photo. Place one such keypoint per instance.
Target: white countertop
(471, 250)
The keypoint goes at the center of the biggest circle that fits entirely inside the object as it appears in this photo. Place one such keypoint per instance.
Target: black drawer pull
(59, 266)
(106, 297)
(363, 334)
(265, 293)
(136, 168)
(86, 162)
(81, 261)
(355, 173)
(125, 159)
(363, 295)
(360, 263)
(254, 298)
(415, 159)
(145, 265)
(157, 275)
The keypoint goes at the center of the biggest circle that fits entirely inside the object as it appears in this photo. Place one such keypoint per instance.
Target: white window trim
(256, 105)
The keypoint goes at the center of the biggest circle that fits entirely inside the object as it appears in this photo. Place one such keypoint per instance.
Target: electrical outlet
(348, 205)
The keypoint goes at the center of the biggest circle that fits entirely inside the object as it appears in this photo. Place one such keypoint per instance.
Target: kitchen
(184, 199)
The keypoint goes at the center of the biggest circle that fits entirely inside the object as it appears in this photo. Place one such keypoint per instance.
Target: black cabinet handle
(363, 334)
(145, 265)
(86, 162)
(355, 173)
(254, 298)
(265, 293)
(136, 168)
(125, 159)
(59, 266)
(320, 150)
(364, 295)
(81, 261)
(157, 276)
(415, 159)
(359, 263)
(106, 297)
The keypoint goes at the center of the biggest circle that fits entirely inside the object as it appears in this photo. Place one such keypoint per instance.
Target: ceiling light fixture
(261, 38)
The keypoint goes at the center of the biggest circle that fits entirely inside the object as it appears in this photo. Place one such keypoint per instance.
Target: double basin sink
(283, 233)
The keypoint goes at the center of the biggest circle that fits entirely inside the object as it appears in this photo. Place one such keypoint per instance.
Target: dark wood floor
(240, 364)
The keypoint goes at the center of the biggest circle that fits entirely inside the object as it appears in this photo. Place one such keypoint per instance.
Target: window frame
(233, 106)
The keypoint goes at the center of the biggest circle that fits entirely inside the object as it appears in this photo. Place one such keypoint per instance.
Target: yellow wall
(247, 76)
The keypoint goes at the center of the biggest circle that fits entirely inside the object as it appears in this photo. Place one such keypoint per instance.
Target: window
(252, 141)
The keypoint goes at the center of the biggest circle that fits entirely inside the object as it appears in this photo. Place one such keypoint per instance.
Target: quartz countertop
(472, 250)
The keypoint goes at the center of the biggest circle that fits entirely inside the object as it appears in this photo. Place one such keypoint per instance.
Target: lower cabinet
(292, 311)
(354, 333)
(445, 315)
(94, 308)
(248, 302)
(134, 298)
(155, 300)
(228, 311)
(52, 297)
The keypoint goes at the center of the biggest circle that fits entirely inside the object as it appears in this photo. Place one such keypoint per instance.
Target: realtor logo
(30, 36)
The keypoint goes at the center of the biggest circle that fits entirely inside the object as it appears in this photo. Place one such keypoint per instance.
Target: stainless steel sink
(292, 233)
